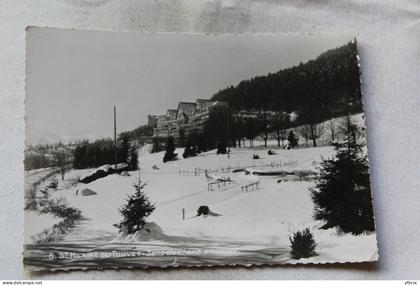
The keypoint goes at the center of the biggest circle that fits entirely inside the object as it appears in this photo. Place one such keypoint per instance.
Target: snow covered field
(256, 225)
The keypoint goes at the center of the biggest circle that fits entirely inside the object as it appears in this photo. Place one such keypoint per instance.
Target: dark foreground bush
(203, 210)
(59, 209)
(53, 183)
(190, 151)
(221, 148)
(100, 173)
(303, 244)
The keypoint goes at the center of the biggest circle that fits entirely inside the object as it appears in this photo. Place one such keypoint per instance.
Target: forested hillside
(325, 87)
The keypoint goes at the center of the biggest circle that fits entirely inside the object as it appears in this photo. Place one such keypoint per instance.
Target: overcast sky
(74, 78)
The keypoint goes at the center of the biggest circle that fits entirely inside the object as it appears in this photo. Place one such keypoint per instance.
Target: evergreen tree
(133, 158)
(302, 244)
(125, 148)
(170, 154)
(325, 84)
(293, 140)
(182, 139)
(156, 145)
(221, 148)
(202, 143)
(342, 196)
(134, 213)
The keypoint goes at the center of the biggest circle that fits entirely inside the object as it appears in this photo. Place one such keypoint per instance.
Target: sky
(74, 78)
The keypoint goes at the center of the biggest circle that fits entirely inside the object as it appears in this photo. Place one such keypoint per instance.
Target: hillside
(328, 86)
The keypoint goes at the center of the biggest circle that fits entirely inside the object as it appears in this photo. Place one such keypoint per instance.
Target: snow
(36, 223)
(261, 218)
(150, 231)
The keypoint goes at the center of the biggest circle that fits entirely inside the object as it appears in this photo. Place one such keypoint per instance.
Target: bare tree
(62, 160)
(278, 126)
(349, 130)
(316, 131)
(265, 128)
(312, 131)
(332, 126)
(305, 133)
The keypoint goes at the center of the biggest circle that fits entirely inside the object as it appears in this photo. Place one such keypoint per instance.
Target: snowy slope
(263, 218)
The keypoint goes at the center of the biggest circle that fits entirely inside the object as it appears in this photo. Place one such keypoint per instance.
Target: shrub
(255, 156)
(189, 151)
(53, 183)
(303, 244)
(59, 209)
(203, 210)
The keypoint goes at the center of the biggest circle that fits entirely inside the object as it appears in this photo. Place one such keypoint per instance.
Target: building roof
(171, 112)
(198, 101)
(185, 108)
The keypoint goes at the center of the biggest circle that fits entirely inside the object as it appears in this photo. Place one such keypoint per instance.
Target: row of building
(193, 115)
(188, 116)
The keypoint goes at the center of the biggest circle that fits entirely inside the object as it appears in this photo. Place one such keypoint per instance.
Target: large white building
(188, 116)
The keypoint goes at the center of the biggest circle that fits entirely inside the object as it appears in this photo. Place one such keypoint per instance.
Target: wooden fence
(252, 186)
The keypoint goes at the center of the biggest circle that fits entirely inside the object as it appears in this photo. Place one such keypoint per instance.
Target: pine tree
(293, 141)
(133, 158)
(182, 138)
(125, 148)
(342, 196)
(302, 244)
(202, 144)
(221, 148)
(134, 213)
(170, 154)
(156, 145)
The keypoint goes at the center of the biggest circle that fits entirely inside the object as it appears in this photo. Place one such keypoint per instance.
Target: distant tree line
(37, 160)
(138, 133)
(100, 152)
(48, 155)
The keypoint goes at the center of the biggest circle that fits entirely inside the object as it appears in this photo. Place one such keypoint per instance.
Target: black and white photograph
(166, 150)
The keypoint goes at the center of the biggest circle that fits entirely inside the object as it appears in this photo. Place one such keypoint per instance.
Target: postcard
(165, 150)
